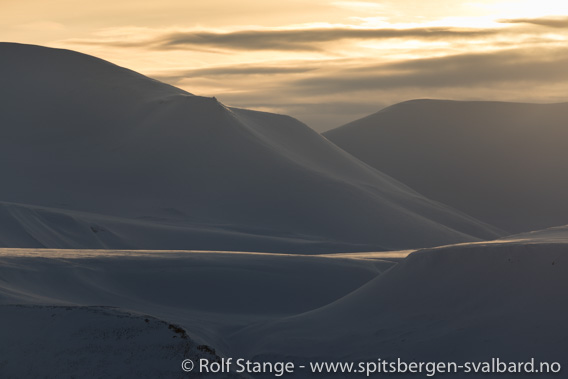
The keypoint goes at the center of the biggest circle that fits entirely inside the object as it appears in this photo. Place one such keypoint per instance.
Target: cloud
(300, 39)
(231, 71)
(328, 93)
(305, 39)
(551, 22)
(512, 63)
(463, 70)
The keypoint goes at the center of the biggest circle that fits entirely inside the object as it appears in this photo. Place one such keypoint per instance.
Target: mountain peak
(91, 143)
(497, 161)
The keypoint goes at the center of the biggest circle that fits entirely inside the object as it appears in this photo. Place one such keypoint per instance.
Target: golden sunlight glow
(524, 8)
(304, 54)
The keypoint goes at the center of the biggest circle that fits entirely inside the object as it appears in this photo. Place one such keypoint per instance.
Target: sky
(324, 62)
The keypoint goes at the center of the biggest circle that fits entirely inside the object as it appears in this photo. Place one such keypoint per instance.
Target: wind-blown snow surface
(92, 342)
(466, 302)
(93, 155)
(210, 294)
(503, 163)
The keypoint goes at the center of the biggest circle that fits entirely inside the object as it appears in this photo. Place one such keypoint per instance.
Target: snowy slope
(461, 303)
(80, 134)
(210, 294)
(465, 302)
(36, 226)
(503, 163)
(93, 342)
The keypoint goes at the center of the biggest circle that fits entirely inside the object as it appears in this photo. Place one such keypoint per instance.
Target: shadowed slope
(460, 303)
(81, 134)
(503, 163)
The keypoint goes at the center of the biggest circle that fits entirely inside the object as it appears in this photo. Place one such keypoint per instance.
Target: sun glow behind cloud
(523, 8)
(325, 62)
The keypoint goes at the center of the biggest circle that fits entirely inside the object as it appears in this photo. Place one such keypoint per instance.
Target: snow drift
(93, 342)
(78, 134)
(503, 163)
(209, 295)
(461, 303)
(466, 302)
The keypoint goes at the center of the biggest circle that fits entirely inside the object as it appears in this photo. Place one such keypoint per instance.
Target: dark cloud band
(551, 22)
(288, 39)
(513, 66)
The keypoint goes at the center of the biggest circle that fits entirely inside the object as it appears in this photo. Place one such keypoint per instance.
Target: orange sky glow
(325, 62)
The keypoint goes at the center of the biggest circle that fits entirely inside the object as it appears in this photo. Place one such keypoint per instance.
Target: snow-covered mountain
(93, 155)
(503, 163)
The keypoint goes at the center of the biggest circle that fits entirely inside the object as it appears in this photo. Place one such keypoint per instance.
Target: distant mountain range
(93, 155)
(503, 163)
